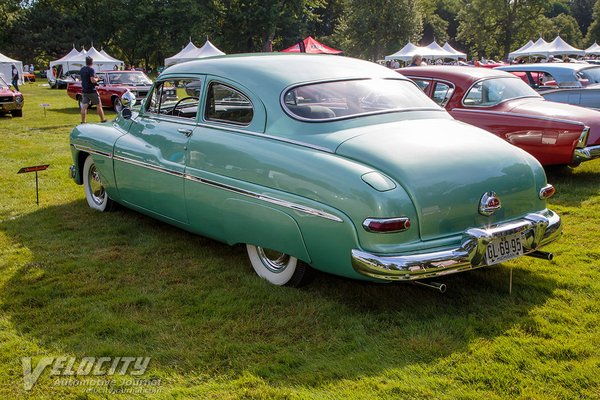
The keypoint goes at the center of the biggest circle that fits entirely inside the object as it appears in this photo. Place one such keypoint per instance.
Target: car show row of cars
(340, 165)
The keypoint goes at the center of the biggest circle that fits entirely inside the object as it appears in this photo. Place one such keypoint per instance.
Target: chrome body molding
(148, 166)
(505, 113)
(586, 154)
(268, 199)
(92, 151)
(537, 230)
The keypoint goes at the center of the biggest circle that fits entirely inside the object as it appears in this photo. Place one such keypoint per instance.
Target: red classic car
(11, 101)
(113, 84)
(499, 102)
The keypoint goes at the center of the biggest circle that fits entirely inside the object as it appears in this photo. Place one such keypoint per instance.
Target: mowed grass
(78, 283)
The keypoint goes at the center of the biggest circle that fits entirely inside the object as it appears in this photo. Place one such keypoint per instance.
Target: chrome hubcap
(95, 186)
(274, 261)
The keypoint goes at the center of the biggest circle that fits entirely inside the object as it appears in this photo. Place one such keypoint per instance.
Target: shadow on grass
(121, 284)
(573, 186)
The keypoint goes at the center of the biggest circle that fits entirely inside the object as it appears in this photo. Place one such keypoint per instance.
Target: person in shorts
(89, 95)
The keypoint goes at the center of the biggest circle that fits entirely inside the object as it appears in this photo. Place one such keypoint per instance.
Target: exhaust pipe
(544, 255)
(441, 287)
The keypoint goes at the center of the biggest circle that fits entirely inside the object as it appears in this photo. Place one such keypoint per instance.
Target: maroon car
(113, 84)
(499, 102)
(11, 101)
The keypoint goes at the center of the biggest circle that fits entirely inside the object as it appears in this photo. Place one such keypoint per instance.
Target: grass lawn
(78, 283)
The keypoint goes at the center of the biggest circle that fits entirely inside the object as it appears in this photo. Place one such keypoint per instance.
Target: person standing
(15, 77)
(89, 81)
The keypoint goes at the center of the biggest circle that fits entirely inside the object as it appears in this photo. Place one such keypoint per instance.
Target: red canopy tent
(312, 46)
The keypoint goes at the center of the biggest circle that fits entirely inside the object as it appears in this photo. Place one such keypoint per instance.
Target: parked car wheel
(279, 268)
(96, 196)
(117, 104)
(17, 113)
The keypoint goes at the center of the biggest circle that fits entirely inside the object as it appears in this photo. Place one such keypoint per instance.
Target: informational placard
(36, 169)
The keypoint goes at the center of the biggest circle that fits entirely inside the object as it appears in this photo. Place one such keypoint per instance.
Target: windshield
(129, 78)
(332, 100)
(493, 91)
(3, 84)
(590, 75)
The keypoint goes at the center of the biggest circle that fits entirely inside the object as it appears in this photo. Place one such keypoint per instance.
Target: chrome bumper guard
(586, 153)
(537, 230)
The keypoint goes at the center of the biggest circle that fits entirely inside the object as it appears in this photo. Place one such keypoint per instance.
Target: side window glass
(225, 104)
(175, 97)
(442, 93)
(424, 85)
(475, 95)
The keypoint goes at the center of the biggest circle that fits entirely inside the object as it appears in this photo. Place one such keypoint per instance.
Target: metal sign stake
(35, 169)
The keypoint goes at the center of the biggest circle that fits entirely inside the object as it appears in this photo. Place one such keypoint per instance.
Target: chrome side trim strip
(265, 198)
(148, 166)
(92, 151)
(567, 121)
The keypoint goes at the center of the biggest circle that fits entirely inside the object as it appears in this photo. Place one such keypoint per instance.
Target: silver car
(571, 83)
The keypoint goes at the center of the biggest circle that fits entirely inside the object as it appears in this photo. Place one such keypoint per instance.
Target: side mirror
(128, 99)
(126, 113)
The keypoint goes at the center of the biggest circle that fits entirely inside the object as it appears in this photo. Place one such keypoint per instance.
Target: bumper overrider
(586, 153)
(537, 230)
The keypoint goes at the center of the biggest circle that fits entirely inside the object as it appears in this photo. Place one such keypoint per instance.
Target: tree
(378, 27)
(593, 33)
(582, 10)
(566, 26)
(492, 27)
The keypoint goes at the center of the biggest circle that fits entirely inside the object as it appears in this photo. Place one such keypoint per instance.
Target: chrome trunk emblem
(489, 204)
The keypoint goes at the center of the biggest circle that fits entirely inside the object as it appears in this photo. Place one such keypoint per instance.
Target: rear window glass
(332, 100)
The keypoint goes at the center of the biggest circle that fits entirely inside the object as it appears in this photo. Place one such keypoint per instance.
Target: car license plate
(503, 248)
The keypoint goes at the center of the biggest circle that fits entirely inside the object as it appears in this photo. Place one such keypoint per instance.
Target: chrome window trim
(462, 101)
(223, 121)
(401, 78)
(520, 115)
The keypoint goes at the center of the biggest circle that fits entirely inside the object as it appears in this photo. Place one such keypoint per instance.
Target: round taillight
(386, 225)
(547, 191)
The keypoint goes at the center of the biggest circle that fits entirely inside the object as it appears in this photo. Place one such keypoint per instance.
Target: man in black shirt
(89, 81)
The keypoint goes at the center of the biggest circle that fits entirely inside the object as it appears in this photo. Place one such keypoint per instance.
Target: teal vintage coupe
(321, 162)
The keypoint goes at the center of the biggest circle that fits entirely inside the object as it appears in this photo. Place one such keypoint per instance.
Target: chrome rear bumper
(586, 153)
(536, 229)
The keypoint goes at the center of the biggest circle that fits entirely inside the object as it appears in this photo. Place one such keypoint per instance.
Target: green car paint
(298, 187)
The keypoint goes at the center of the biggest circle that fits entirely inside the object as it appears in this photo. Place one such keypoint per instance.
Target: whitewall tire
(95, 194)
(278, 268)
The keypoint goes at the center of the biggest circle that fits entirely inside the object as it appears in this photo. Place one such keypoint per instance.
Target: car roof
(454, 72)
(281, 70)
(548, 67)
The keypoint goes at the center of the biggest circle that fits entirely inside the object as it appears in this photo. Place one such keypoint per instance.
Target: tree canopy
(144, 32)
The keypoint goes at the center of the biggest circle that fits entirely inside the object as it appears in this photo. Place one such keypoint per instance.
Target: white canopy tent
(559, 47)
(521, 51)
(74, 60)
(175, 59)
(433, 50)
(6, 64)
(405, 54)
(191, 52)
(593, 49)
(452, 50)
(542, 48)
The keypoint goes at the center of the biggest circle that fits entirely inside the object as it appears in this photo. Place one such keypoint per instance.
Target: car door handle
(186, 132)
